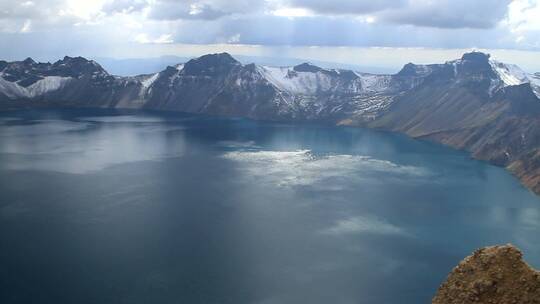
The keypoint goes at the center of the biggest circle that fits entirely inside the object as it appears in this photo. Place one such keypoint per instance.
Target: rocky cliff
(475, 104)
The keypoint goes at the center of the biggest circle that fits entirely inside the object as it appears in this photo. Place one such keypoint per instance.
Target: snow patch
(43, 86)
(149, 81)
(286, 79)
(535, 83)
(374, 83)
(455, 64)
(512, 75)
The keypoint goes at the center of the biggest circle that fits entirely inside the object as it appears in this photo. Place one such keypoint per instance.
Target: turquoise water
(141, 207)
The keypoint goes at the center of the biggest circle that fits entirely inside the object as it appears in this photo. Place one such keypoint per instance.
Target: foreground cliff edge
(477, 104)
(491, 275)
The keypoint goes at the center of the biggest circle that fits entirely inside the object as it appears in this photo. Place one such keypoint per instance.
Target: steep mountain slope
(219, 84)
(71, 81)
(214, 83)
(474, 103)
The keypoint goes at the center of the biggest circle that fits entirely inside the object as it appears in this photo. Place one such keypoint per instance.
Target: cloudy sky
(367, 32)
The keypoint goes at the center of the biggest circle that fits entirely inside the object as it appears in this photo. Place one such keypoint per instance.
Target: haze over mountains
(474, 103)
(138, 66)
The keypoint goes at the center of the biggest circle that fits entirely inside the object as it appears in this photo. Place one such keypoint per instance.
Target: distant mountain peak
(221, 58)
(76, 66)
(29, 61)
(307, 67)
(414, 70)
(210, 65)
(77, 61)
(476, 56)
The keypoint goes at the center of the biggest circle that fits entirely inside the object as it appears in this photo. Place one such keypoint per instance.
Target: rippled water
(125, 207)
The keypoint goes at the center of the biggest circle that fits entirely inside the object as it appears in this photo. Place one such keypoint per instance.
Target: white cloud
(118, 24)
(202, 9)
(524, 22)
(124, 6)
(27, 3)
(292, 12)
(234, 39)
(27, 26)
(86, 10)
(145, 39)
(524, 15)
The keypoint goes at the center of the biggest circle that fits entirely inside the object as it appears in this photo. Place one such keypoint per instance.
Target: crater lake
(101, 206)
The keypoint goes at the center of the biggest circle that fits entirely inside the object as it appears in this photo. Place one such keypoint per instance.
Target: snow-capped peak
(511, 75)
(296, 82)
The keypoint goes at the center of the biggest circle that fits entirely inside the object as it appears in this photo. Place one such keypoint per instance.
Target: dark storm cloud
(482, 14)
(387, 23)
(334, 31)
(425, 13)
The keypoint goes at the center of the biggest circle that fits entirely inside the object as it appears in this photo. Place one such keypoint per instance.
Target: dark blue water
(109, 207)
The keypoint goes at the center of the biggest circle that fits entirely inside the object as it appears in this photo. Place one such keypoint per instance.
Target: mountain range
(138, 66)
(474, 103)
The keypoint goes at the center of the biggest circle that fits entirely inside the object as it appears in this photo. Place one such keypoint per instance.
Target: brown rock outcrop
(491, 275)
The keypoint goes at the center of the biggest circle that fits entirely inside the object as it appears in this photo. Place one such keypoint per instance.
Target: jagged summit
(76, 67)
(482, 73)
(210, 65)
(28, 61)
(75, 60)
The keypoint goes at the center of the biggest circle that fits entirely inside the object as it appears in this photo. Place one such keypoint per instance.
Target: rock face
(474, 103)
(491, 275)
(73, 81)
(213, 84)
(485, 107)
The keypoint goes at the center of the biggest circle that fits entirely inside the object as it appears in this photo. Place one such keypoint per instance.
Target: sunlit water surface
(116, 207)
